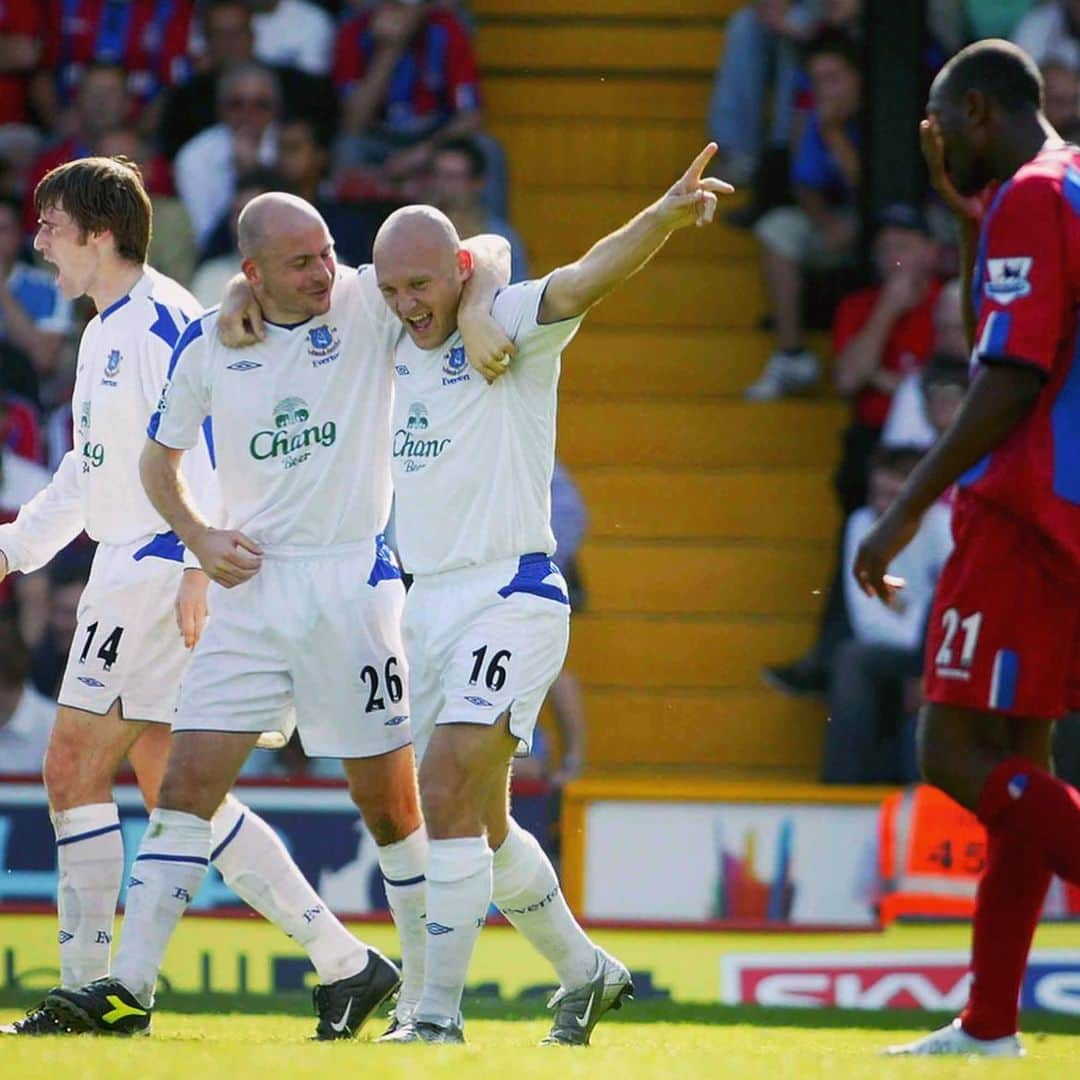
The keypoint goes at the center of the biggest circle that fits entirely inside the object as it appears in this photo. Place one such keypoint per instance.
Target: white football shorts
(483, 640)
(317, 630)
(127, 646)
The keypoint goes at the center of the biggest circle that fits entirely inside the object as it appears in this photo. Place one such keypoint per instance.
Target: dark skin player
(970, 141)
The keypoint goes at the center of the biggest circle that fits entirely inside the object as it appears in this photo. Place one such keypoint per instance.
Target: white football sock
(257, 867)
(403, 867)
(90, 858)
(527, 892)
(167, 873)
(459, 891)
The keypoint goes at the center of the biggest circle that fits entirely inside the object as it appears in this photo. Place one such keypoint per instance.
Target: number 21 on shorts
(961, 637)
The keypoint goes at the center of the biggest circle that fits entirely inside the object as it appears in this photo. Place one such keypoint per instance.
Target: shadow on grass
(646, 1012)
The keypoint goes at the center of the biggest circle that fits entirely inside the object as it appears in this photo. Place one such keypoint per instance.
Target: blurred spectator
(926, 401)
(249, 103)
(229, 41)
(20, 481)
(34, 316)
(20, 435)
(68, 574)
(820, 232)
(146, 39)
(1051, 32)
(20, 53)
(20, 478)
(26, 716)
(458, 176)
(1062, 106)
(293, 33)
(755, 84)
(102, 105)
(409, 82)
(303, 162)
(172, 240)
(869, 691)
(208, 284)
(881, 334)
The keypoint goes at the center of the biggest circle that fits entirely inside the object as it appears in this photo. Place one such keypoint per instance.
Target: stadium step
(678, 293)
(600, 46)
(596, 152)
(609, 97)
(710, 652)
(714, 578)
(559, 224)
(690, 433)
(748, 729)
(687, 502)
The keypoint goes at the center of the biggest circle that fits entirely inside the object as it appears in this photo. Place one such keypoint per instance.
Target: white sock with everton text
(257, 867)
(90, 860)
(403, 866)
(526, 890)
(459, 892)
(166, 874)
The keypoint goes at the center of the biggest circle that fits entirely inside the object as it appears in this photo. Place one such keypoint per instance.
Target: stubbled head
(288, 256)
(976, 98)
(91, 212)
(421, 269)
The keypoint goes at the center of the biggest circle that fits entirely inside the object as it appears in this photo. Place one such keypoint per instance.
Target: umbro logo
(86, 680)
(479, 702)
(244, 365)
(395, 720)
(438, 928)
(402, 369)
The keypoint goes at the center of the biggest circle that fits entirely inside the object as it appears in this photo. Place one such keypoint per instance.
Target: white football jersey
(472, 463)
(301, 420)
(123, 358)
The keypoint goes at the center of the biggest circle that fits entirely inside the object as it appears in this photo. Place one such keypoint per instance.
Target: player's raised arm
(573, 289)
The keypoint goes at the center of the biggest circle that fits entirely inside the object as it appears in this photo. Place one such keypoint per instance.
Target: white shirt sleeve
(517, 310)
(48, 522)
(185, 399)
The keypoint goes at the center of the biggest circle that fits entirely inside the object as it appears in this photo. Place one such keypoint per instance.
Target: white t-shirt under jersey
(472, 463)
(123, 357)
(301, 420)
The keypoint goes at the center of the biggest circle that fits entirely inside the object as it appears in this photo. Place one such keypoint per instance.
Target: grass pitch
(204, 1036)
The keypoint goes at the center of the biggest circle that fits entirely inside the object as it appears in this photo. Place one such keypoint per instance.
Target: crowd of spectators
(787, 112)
(358, 106)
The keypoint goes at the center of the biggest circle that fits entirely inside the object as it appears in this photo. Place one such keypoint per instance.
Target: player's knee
(183, 792)
(73, 774)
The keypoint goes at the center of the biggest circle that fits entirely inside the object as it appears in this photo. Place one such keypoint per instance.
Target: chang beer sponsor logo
(294, 436)
(93, 454)
(411, 443)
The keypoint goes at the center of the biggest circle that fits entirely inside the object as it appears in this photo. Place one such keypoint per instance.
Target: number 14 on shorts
(109, 649)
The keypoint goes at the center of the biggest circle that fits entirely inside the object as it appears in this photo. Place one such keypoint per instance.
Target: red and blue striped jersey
(1026, 288)
(435, 77)
(148, 38)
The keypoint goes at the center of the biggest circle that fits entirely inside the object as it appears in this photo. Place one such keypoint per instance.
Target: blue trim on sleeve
(532, 571)
(192, 332)
(979, 272)
(164, 326)
(165, 545)
(1065, 425)
(208, 435)
(1071, 188)
(115, 307)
